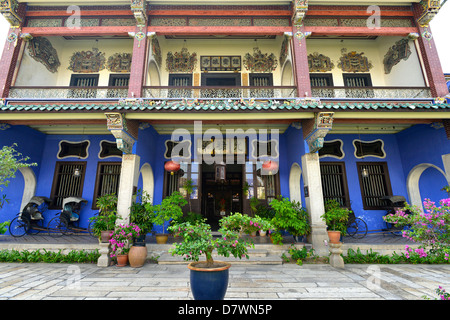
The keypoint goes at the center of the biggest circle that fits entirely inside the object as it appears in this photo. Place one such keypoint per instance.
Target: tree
(10, 162)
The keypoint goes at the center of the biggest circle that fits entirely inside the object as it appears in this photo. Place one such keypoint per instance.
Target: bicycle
(31, 218)
(356, 227)
(66, 221)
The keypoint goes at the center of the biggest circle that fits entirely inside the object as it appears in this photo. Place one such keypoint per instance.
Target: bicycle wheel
(361, 228)
(19, 227)
(57, 227)
(352, 228)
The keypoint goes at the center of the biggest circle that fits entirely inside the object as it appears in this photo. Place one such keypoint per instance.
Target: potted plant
(288, 216)
(209, 279)
(336, 218)
(120, 242)
(103, 224)
(140, 216)
(170, 208)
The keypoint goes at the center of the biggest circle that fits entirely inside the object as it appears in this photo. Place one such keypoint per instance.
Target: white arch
(153, 74)
(29, 179)
(295, 193)
(412, 182)
(287, 75)
(148, 181)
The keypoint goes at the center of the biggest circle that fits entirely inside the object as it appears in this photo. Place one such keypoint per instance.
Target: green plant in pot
(140, 216)
(169, 209)
(103, 224)
(288, 216)
(209, 278)
(336, 218)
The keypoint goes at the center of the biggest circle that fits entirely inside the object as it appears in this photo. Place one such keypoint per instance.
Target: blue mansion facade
(105, 101)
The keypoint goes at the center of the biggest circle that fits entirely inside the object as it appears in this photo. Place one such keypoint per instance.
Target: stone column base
(105, 259)
(336, 259)
(319, 238)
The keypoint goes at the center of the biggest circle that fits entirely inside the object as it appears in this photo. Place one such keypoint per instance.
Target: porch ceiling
(71, 129)
(371, 128)
(167, 128)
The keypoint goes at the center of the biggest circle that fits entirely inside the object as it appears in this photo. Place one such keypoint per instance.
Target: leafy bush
(335, 216)
(73, 256)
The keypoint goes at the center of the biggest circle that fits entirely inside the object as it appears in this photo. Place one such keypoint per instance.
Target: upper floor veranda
(276, 49)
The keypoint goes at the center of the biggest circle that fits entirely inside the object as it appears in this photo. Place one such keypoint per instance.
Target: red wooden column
(139, 59)
(10, 56)
(431, 60)
(301, 69)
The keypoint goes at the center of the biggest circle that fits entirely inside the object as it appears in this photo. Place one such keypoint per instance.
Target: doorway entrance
(220, 198)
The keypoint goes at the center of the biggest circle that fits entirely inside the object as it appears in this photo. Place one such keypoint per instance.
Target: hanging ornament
(172, 166)
(270, 167)
(427, 35)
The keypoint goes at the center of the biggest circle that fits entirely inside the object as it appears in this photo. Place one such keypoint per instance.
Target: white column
(314, 202)
(129, 176)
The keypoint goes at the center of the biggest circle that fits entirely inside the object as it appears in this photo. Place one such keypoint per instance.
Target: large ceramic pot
(137, 256)
(209, 283)
(162, 238)
(334, 236)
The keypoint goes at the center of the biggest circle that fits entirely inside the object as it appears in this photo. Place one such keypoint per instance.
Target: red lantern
(270, 166)
(172, 166)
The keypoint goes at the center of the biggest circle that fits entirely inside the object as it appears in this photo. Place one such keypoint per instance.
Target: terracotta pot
(334, 236)
(137, 256)
(122, 260)
(105, 235)
(162, 238)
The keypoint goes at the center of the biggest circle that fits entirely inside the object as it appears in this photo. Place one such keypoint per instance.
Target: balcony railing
(68, 92)
(220, 92)
(372, 92)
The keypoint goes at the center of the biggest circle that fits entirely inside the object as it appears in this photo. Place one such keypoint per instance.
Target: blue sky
(440, 27)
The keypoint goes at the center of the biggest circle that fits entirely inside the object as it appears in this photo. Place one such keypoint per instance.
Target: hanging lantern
(220, 172)
(364, 172)
(172, 166)
(270, 167)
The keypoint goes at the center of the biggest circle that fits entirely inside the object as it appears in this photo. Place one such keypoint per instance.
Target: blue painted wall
(425, 144)
(373, 218)
(28, 141)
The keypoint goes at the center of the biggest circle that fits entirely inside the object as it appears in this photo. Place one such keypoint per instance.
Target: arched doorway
(148, 183)
(29, 188)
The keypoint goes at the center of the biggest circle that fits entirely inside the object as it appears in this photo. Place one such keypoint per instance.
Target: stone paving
(36, 281)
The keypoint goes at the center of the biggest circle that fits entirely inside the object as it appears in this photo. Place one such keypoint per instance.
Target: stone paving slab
(39, 281)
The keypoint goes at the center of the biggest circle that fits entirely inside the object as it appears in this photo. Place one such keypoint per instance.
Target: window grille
(375, 184)
(67, 182)
(334, 182)
(80, 80)
(107, 181)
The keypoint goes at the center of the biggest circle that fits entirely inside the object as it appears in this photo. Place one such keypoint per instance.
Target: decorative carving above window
(181, 61)
(319, 63)
(41, 50)
(259, 62)
(371, 148)
(399, 51)
(119, 62)
(69, 149)
(333, 148)
(354, 62)
(220, 63)
(87, 61)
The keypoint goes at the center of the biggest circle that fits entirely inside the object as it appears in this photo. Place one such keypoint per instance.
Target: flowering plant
(121, 237)
(198, 240)
(430, 228)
